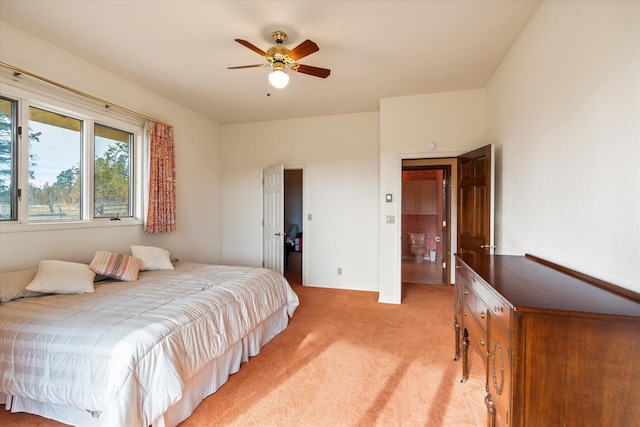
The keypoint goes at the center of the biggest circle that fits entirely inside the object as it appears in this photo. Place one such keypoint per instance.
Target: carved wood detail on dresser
(559, 348)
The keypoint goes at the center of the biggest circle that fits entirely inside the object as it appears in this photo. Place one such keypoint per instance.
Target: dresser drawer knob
(466, 291)
(497, 309)
(483, 314)
(481, 341)
(465, 313)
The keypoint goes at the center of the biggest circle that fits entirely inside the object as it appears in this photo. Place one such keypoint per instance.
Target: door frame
(445, 158)
(305, 220)
(303, 225)
(449, 166)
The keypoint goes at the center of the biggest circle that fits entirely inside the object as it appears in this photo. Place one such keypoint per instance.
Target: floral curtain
(161, 206)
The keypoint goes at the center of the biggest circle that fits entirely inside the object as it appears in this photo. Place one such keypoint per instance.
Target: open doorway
(426, 225)
(293, 225)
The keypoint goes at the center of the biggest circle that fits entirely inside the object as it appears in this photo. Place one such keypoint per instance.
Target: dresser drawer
(463, 273)
(500, 311)
(475, 307)
(499, 369)
(477, 334)
(493, 303)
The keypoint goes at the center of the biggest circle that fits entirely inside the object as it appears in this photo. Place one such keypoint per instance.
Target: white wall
(564, 107)
(198, 163)
(455, 121)
(339, 158)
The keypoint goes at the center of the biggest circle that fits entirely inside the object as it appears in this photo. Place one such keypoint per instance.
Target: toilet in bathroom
(417, 247)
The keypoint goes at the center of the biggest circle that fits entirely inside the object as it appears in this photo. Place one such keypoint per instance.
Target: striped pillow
(116, 266)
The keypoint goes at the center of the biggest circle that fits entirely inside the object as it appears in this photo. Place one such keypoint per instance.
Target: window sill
(17, 227)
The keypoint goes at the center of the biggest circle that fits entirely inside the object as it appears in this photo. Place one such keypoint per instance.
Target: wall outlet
(339, 270)
(391, 219)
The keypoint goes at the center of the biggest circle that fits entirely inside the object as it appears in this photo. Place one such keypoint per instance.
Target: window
(55, 147)
(8, 143)
(112, 186)
(75, 163)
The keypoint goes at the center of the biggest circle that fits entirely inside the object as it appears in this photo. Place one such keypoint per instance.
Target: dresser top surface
(527, 283)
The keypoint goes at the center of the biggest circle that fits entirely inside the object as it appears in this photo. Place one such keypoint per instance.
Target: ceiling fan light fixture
(279, 58)
(278, 78)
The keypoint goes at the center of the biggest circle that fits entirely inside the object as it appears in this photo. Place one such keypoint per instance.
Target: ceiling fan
(279, 58)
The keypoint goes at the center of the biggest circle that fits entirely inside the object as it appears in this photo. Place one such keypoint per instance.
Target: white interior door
(273, 218)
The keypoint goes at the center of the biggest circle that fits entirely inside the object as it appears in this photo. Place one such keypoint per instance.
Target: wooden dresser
(560, 348)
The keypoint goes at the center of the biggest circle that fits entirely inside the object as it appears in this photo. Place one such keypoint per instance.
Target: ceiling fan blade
(313, 71)
(252, 47)
(305, 48)
(246, 66)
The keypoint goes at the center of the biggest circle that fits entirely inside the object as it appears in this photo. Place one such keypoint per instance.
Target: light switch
(309, 217)
(389, 198)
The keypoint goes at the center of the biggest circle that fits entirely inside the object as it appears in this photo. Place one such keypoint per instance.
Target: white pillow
(13, 284)
(152, 258)
(62, 277)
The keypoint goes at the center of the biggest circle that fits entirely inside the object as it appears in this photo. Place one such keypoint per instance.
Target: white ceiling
(375, 49)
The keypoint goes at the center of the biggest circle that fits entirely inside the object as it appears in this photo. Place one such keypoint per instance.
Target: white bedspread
(128, 349)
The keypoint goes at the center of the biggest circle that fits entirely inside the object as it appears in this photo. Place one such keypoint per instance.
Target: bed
(138, 353)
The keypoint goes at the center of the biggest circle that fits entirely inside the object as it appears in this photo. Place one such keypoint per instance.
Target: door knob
(279, 234)
(487, 247)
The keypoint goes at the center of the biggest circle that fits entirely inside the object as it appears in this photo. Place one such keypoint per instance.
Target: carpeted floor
(346, 360)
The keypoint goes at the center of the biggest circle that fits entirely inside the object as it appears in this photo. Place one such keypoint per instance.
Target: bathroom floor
(426, 273)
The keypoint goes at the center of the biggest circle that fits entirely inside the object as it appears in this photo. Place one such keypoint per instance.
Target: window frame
(29, 93)
(132, 169)
(14, 197)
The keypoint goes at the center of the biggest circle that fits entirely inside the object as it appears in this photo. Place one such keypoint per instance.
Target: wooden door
(475, 201)
(273, 214)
